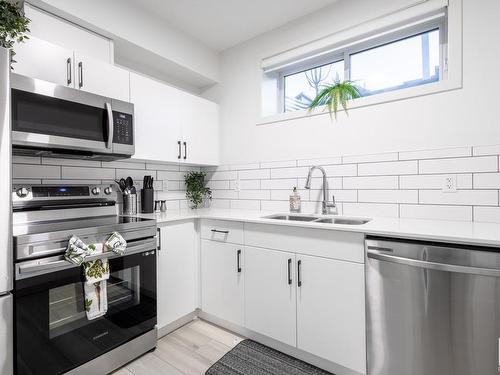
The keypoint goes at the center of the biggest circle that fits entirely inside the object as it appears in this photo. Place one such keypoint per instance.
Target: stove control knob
(96, 190)
(108, 190)
(22, 192)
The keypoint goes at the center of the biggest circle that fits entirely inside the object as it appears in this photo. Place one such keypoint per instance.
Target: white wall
(123, 20)
(466, 116)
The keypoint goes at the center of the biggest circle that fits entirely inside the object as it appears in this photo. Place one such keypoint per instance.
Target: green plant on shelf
(334, 96)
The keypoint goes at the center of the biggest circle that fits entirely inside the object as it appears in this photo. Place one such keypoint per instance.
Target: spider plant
(337, 94)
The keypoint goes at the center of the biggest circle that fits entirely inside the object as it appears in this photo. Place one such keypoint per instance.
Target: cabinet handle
(290, 271)
(238, 261)
(220, 231)
(185, 151)
(299, 276)
(80, 74)
(68, 71)
(179, 145)
(158, 230)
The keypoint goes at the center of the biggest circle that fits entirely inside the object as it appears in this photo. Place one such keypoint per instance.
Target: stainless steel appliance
(52, 332)
(433, 309)
(6, 322)
(53, 120)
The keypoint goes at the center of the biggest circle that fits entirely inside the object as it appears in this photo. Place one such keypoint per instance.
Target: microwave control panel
(123, 128)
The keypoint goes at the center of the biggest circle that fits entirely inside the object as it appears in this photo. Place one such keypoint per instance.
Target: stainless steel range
(52, 332)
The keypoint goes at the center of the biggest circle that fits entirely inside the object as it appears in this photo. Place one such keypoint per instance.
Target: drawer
(222, 231)
(348, 246)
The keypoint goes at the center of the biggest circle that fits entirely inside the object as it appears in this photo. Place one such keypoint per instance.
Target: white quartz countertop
(483, 234)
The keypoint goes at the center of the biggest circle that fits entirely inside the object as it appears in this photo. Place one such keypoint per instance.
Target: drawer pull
(220, 231)
(299, 276)
(290, 271)
(238, 261)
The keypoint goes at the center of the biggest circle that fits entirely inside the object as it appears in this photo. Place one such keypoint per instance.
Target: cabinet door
(101, 78)
(331, 311)
(177, 272)
(157, 126)
(270, 299)
(43, 60)
(222, 281)
(200, 130)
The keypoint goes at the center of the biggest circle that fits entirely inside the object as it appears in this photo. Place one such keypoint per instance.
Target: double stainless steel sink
(342, 220)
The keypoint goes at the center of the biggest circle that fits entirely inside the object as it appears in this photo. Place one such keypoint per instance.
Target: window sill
(412, 92)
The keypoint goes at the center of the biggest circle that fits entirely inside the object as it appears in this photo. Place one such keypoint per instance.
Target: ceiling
(221, 24)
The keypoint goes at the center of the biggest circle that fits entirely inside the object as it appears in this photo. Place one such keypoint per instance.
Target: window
(394, 62)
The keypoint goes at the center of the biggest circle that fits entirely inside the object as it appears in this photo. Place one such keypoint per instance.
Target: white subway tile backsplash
(71, 162)
(136, 174)
(241, 167)
(218, 185)
(486, 150)
(170, 175)
(371, 209)
(388, 196)
(433, 181)
(245, 184)
(280, 184)
(388, 168)
(459, 165)
(127, 164)
(487, 181)
(279, 164)
(434, 212)
(436, 154)
(86, 173)
(162, 167)
(341, 170)
(220, 203)
(245, 204)
(221, 175)
(254, 174)
(255, 194)
(340, 195)
(289, 172)
(16, 159)
(375, 182)
(35, 171)
(284, 195)
(275, 206)
(224, 194)
(487, 214)
(391, 156)
(461, 197)
(319, 161)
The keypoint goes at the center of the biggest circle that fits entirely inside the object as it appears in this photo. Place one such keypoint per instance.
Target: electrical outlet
(237, 185)
(450, 184)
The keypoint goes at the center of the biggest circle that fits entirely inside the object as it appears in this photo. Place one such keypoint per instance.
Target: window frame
(440, 24)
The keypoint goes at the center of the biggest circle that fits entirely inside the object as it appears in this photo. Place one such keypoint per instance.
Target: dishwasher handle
(437, 266)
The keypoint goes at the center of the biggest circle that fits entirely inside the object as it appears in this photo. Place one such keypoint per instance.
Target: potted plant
(196, 191)
(13, 25)
(337, 94)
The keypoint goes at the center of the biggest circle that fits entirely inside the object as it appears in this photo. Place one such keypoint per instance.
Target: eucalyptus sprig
(196, 191)
(337, 94)
(13, 26)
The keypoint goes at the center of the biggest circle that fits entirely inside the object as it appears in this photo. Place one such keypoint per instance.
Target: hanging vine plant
(334, 96)
(13, 26)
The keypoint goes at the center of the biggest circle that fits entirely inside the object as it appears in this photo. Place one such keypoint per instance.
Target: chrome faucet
(325, 205)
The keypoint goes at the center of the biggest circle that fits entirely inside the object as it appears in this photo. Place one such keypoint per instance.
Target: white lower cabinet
(270, 299)
(177, 272)
(331, 311)
(222, 280)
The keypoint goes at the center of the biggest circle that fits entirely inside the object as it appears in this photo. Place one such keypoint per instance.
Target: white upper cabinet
(331, 310)
(39, 59)
(46, 61)
(156, 116)
(200, 130)
(100, 78)
(172, 125)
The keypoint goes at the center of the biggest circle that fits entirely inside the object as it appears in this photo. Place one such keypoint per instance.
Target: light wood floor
(190, 350)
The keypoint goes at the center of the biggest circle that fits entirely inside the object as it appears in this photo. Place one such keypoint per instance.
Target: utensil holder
(147, 199)
(129, 204)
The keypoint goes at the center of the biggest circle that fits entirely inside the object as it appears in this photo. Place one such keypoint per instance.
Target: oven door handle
(437, 266)
(109, 110)
(33, 268)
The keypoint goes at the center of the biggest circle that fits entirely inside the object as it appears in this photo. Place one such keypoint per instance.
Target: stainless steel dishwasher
(432, 309)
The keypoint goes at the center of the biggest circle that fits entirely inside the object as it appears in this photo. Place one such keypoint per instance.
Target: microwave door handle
(109, 110)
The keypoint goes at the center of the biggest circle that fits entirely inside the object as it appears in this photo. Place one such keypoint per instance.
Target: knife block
(147, 199)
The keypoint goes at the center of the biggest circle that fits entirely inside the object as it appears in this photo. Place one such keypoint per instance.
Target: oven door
(53, 334)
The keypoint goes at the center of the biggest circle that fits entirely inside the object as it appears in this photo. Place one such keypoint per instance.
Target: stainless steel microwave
(58, 121)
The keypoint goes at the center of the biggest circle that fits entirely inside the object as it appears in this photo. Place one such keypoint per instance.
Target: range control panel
(21, 193)
(123, 128)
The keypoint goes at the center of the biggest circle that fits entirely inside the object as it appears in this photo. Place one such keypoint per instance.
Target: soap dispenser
(295, 201)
